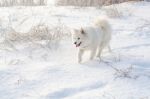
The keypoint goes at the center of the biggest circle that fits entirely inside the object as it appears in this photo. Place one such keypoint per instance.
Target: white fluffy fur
(94, 38)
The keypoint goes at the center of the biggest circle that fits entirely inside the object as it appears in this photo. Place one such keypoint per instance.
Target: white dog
(94, 38)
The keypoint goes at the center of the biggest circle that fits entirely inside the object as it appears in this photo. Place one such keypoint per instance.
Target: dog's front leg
(80, 54)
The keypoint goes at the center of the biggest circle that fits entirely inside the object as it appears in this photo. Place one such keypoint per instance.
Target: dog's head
(79, 37)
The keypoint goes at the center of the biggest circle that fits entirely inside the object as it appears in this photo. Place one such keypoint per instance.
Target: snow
(35, 72)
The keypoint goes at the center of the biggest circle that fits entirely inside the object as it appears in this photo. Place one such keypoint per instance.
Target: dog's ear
(82, 31)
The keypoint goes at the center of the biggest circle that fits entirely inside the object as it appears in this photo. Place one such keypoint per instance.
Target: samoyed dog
(93, 38)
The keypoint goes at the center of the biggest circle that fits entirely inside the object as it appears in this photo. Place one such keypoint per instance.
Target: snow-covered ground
(35, 71)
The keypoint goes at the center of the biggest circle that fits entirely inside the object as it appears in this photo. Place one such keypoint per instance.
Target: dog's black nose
(75, 42)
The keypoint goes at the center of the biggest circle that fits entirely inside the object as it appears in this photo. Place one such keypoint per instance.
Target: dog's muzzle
(77, 45)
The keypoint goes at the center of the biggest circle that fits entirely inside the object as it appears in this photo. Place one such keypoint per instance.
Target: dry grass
(113, 11)
(51, 35)
(7, 3)
(90, 2)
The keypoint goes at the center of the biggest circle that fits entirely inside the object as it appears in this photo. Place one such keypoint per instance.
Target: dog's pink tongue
(77, 45)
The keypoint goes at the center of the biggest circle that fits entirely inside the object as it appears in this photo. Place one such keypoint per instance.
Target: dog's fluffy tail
(103, 24)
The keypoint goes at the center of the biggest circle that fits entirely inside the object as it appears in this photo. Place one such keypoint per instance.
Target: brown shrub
(89, 2)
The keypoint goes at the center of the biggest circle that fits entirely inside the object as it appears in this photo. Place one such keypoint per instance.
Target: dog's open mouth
(77, 45)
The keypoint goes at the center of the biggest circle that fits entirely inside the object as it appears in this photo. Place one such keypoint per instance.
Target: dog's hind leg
(93, 52)
(100, 49)
(109, 49)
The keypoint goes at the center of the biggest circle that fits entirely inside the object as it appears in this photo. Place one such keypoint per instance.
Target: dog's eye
(78, 38)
